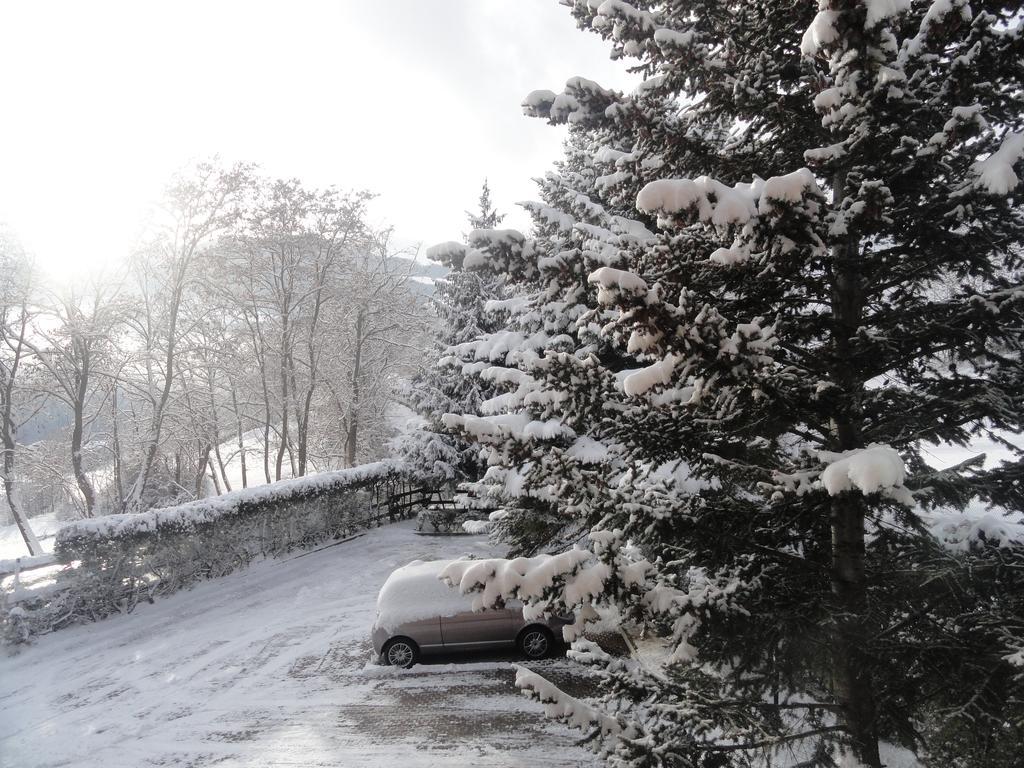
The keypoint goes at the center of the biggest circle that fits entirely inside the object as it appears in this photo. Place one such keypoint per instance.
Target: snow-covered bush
(112, 563)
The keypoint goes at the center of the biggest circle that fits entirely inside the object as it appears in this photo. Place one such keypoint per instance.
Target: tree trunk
(854, 688)
(283, 281)
(134, 501)
(223, 469)
(81, 392)
(282, 444)
(116, 440)
(216, 482)
(34, 548)
(283, 435)
(353, 408)
(241, 436)
(266, 447)
(216, 438)
(204, 462)
(292, 448)
(9, 443)
(304, 431)
(8, 439)
(258, 348)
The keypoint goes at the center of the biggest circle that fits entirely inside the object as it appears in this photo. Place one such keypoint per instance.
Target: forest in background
(259, 331)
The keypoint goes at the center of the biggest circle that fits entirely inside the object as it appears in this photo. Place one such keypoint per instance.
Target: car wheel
(400, 652)
(536, 642)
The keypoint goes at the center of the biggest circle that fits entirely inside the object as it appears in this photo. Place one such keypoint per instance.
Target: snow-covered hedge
(110, 564)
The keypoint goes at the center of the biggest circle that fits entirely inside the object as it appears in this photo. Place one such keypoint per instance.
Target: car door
(515, 616)
(426, 633)
(476, 630)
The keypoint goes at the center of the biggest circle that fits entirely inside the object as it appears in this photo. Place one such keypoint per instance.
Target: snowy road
(269, 667)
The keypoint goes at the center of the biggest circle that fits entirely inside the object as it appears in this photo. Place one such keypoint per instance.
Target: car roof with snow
(414, 592)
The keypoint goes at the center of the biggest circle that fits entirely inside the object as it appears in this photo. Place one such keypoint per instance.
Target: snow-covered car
(417, 613)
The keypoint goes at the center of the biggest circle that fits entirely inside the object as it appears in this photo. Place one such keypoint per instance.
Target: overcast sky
(416, 100)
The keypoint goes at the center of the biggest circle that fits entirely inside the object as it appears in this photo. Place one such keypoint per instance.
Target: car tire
(400, 652)
(536, 642)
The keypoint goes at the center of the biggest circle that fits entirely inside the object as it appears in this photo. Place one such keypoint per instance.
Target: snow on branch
(995, 173)
(932, 21)
(586, 450)
(823, 30)
(568, 709)
(714, 202)
(659, 373)
(609, 571)
(670, 38)
(790, 188)
(717, 204)
(611, 282)
(881, 11)
(528, 578)
(821, 33)
(496, 238)
(451, 253)
(582, 101)
(617, 11)
(875, 469)
(497, 428)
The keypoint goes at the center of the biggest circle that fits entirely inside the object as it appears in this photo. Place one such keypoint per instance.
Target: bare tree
(381, 325)
(16, 313)
(199, 206)
(75, 342)
(292, 256)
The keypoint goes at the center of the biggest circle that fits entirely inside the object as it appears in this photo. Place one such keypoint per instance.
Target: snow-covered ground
(45, 528)
(271, 666)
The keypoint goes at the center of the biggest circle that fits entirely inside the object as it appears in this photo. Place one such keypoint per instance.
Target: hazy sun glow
(417, 101)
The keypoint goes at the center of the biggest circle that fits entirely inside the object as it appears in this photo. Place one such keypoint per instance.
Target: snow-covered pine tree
(434, 454)
(546, 477)
(486, 216)
(818, 179)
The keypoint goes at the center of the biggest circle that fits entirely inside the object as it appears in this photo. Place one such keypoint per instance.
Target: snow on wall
(202, 511)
